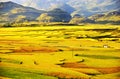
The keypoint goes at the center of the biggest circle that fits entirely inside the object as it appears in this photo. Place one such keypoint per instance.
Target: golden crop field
(60, 52)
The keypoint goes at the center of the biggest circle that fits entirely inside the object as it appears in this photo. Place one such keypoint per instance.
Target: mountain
(55, 15)
(60, 10)
(82, 7)
(13, 12)
(110, 17)
(10, 11)
(91, 7)
(52, 4)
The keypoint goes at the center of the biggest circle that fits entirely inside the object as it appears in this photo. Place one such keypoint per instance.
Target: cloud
(4, 0)
(30, 3)
(16, 1)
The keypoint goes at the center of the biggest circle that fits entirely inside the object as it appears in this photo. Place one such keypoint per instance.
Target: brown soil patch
(66, 76)
(88, 73)
(108, 70)
(104, 70)
(74, 65)
(36, 49)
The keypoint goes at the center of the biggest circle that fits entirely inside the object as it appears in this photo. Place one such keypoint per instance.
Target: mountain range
(82, 7)
(13, 12)
(10, 11)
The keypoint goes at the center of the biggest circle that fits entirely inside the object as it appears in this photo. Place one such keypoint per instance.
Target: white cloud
(4, 0)
(31, 3)
(16, 1)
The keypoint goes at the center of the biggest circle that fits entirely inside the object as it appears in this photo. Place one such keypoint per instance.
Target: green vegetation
(9, 60)
(20, 73)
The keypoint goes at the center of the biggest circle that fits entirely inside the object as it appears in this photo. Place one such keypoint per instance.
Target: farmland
(88, 51)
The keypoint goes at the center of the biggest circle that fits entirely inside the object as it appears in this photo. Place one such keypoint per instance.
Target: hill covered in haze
(82, 7)
(110, 17)
(10, 11)
(13, 12)
(61, 10)
(55, 15)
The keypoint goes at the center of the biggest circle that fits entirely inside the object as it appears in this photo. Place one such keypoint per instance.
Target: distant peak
(56, 9)
(10, 1)
(7, 2)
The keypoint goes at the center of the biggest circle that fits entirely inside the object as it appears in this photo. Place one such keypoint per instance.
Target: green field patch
(20, 73)
(8, 60)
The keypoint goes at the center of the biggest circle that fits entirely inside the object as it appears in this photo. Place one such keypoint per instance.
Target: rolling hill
(55, 15)
(97, 10)
(110, 17)
(82, 7)
(91, 7)
(12, 11)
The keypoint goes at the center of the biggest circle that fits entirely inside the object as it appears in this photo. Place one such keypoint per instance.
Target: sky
(23, 2)
(30, 3)
(14, 0)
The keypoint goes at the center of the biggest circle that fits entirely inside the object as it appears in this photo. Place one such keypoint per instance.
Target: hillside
(97, 11)
(91, 7)
(55, 15)
(110, 17)
(13, 12)
(16, 12)
(82, 7)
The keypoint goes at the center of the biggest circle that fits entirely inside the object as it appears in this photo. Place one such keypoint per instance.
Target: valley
(90, 51)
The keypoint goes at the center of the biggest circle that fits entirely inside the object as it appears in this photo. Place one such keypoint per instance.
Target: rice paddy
(60, 52)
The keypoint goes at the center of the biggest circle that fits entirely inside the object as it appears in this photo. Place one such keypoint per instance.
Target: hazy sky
(31, 3)
(13, 0)
(23, 2)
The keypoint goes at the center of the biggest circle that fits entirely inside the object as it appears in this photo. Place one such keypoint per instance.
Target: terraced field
(60, 52)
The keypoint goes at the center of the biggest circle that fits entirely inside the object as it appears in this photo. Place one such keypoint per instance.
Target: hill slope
(82, 7)
(110, 17)
(55, 15)
(10, 11)
(107, 11)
